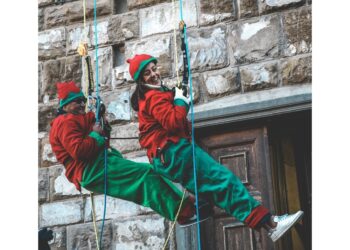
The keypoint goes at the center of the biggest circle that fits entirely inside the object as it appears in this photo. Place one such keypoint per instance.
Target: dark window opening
(118, 56)
(120, 6)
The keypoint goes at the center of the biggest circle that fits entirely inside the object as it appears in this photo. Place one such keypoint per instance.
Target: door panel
(245, 153)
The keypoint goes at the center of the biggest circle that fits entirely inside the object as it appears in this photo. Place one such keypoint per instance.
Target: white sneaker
(284, 223)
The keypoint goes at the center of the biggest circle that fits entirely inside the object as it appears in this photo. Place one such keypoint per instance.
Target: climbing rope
(98, 104)
(174, 223)
(89, 80)
(175, 46)
(88, 89)
(179, 85)
(192, 123)
(94, 219)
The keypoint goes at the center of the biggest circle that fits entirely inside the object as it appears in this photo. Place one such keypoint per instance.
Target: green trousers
(214, 181)
(132, 181)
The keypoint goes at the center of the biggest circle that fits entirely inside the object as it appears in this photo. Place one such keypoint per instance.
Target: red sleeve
(73, 139)
(91, 118)
(108, 128)
(170, 116)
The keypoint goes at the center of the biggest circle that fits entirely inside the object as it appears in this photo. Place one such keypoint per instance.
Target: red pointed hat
(67, 92)
(138, 63)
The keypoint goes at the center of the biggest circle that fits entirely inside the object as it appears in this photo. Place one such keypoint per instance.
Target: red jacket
(161, 121)
(74, 143)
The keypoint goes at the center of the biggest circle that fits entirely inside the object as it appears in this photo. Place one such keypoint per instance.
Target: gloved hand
(180, 96)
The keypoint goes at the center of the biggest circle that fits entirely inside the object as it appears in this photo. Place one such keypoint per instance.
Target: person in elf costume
(78, 143)
(165, 133)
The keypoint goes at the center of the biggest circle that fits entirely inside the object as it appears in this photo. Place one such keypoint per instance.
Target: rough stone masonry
(236, 47)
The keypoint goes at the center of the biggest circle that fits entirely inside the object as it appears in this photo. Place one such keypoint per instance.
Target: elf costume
(81, 151)
(165, 133)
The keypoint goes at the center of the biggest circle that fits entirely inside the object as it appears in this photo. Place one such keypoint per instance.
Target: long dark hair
(138, 94)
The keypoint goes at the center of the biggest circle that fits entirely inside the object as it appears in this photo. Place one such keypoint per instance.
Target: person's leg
(136, 182)
(214, 181)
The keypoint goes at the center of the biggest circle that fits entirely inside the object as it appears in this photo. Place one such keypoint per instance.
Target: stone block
(137, 156)
(137, 4)
(76, 35)
(48, 158)
(46, 114)
(43, 193)
(115, 208)
(41, 19)
(72, 69)
(296, 70)
(105, 66)
(123, 27)
(120, 75)
(254, 40)
(222, 81)
(61, 213)
(59, 240)
(52, 43)
(82, 236)
(53, 72)
(146, 233)
(267, 6)
(259, 76)
(56, 16)
(297, 32)
(62, 15)
(142, 159)
(171, 83)
(40, 81)
(41, 136)
(212, 11)
(248, 8)
(161, 18)
(102, 33)
(158, 47)
(122, 131)
(42, 3)
(118, 105)
(207, 48)
(60, 186)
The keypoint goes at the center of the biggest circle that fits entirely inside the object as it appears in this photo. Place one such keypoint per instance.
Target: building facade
(251, 74)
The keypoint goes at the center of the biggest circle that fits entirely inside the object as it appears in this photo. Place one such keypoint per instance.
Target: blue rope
(192, 123)
(97, 120)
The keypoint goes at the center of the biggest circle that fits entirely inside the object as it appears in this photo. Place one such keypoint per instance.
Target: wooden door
(246, 154)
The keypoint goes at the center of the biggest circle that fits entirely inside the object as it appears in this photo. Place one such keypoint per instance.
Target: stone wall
(236, 47)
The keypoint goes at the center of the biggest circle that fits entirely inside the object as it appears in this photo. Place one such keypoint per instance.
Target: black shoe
(205, 211)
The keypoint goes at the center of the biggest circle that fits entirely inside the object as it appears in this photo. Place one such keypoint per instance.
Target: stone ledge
(257, 104)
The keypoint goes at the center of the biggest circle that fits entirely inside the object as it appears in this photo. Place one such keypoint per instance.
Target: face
(76, 107)
(151, 74)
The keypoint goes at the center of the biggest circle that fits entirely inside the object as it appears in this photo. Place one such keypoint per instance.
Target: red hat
(67, 92)
(138, 63)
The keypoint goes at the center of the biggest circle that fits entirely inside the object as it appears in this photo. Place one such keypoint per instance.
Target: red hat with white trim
(138, 63)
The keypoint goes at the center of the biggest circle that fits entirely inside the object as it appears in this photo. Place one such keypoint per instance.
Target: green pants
(214, 181)
(132, 181)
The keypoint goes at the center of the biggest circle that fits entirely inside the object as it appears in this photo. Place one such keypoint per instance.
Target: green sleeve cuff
(99, 138)
(179, 102)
